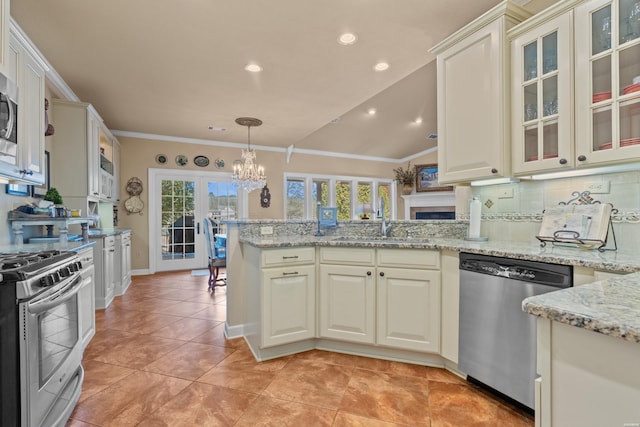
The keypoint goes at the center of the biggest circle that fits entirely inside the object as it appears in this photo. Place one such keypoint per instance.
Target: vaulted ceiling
(176, 68)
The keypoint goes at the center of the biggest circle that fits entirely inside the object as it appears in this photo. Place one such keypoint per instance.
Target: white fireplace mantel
(429, 199)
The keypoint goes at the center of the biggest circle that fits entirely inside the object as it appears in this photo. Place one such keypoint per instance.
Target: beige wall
(138, 155)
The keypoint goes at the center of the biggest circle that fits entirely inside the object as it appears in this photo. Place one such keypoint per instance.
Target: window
(295, 199)
(354, 197)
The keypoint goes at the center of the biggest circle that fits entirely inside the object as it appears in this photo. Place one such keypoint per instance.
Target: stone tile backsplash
(532, 197)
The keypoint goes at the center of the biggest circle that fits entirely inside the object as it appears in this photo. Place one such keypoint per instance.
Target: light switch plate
(266, 230)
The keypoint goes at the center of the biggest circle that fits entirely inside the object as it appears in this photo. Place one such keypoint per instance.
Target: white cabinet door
(93, 156)
(125, 263)
(541, 94)
(28, 74)
(347, 303)
(607, 49)
(109, 264)
(408, 314)
(288, 299)
(4, 33)
(86, 297)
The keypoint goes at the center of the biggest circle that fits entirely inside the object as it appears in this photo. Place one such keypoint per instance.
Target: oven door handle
(57, 299)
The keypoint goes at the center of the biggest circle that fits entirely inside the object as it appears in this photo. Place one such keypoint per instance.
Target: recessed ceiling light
(418, 120)
(381, 66)
(371, 111)
(334, 121)
(347, 39)
(253, 68)
(216, 128)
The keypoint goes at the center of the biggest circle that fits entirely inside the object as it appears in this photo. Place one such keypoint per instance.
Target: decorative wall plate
(161, 158)
(201, 161)
(181, 160)
(219, 163)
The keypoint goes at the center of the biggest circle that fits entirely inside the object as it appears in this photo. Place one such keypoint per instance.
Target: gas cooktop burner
(22, 259)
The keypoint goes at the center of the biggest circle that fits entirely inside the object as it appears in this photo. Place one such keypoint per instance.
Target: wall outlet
(505, 193)
(266, 230)
(599, 187)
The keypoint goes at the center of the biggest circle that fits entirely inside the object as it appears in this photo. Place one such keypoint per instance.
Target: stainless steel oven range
(41, 373)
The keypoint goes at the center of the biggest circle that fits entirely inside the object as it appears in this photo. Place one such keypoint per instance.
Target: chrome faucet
(386, 225)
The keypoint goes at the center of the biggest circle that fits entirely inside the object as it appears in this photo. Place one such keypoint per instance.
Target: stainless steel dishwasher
(497, 341)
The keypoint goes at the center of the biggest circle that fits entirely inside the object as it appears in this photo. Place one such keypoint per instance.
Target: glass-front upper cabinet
(607, 81)
(541, 95)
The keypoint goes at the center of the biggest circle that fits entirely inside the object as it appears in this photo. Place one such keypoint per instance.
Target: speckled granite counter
(608, 260)
(610, 307)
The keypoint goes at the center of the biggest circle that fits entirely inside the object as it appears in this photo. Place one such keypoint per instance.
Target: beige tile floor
(160, 358)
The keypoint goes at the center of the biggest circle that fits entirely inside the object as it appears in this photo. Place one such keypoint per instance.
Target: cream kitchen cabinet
(122, 276)
(28, 72)
(4, 33)
(104, 258)
(450, 325)
(607, 56)
(282, 297)
(347, 294)
(86, 295)
(474, 126)
(87, 151)
(408, 299)
(388, 297)
(541, 92)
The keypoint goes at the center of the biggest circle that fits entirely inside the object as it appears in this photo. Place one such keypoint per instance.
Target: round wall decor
(202, 161)
(181, 160)
(161, 159)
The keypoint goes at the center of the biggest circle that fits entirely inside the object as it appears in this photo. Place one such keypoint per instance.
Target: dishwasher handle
(560, 276)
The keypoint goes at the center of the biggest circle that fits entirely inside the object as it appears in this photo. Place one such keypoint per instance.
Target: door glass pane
(550, 96)
(550, 53)
(630, 70)
(550, 139)
(320, 194)
(531, 143)
(531, 61)
(364, 208)
(630, 123)
(222, 202)
(602, 129)
(601, 77)
(601, 30)
(178, 227)
(629, 20)
(295, 198)
(530, 110)
(343, 200)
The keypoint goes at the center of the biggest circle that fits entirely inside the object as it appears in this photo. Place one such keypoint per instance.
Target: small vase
(407, 189)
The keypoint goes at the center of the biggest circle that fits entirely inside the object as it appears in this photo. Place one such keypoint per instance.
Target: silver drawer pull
(295, 273)
(290, 257)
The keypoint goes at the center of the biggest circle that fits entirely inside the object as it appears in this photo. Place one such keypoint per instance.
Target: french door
(179, 201)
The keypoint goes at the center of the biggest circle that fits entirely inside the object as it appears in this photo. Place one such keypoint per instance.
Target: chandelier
(246, 173)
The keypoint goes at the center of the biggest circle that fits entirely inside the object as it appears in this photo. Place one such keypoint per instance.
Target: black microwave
(8, 117)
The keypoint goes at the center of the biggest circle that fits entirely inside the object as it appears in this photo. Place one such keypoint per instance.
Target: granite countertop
(103, 232)
(618, 261)
(610, 307)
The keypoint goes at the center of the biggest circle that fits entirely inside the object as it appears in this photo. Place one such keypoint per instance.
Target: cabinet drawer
(125, 237)
(289, 256)
(110, 241)
(348, 256)
(409, 258)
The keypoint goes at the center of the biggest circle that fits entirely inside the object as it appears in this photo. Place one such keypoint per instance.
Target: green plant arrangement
(53, 196)
(405, 176)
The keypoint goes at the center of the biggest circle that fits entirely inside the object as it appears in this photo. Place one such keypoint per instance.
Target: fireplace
(433, 206)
